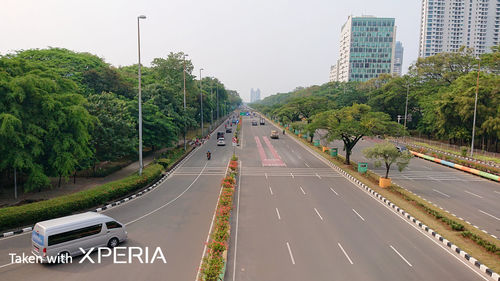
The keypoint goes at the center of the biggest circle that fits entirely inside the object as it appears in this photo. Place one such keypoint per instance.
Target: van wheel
(63, 257)
(113, 242)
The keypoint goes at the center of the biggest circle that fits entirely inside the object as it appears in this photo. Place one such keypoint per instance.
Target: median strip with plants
(473, 241)
(214, 259)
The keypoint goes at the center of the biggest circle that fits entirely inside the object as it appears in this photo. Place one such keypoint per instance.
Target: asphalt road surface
(175, 217)
(470, 197)
(298, 219)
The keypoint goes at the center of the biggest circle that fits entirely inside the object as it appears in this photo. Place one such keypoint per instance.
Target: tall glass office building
(367, 48)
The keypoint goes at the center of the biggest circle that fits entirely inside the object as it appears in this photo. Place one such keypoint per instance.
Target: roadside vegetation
(64, 113)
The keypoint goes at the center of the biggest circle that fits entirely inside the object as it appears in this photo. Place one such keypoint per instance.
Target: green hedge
(20, 216)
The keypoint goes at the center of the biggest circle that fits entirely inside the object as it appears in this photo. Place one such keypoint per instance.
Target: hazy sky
(274, 45)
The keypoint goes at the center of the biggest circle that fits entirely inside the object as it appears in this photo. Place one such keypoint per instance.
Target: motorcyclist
(283, 131)
(209, 155)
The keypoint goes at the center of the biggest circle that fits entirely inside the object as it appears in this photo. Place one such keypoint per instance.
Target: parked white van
(66, 235)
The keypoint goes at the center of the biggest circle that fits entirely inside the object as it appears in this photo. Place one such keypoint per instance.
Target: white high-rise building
(334, 72)
(446, 25)
(254, 95)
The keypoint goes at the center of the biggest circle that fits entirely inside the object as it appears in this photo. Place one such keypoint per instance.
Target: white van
(66, 235)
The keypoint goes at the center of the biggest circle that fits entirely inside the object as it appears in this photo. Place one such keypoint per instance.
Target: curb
(119, 202)
(495, 276)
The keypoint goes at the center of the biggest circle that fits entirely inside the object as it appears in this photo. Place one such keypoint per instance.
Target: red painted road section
(275, 161)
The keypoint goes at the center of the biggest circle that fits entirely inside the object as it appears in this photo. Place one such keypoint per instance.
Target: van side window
(113, 224)
(74, 234)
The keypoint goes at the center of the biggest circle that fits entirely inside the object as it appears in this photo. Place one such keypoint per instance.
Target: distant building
(398, 59)
(334, 72)
(366, 48)
(447, 25)
(254, 95)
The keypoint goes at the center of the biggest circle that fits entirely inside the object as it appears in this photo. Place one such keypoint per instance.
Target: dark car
(229, 130)
(254, 123)
(401, 148)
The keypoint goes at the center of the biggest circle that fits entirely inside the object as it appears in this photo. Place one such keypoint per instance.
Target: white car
(221, 142)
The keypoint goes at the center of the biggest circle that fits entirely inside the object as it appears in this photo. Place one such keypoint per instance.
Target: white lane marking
(266, 175)
(290, 252)
(473, 194)
(306, 164)
(400, 255)
(347, 256)
(237, 221)
(278, 213)
(171, 201)
(211, 224)
(358, 215)
(271, 190)
(496, 191)
(334, 191)
(292, 175)
(318, 176)
(318, 214)
(452, 254)
(489, 215)
(5, 265)
(303, 192)
(442, 193)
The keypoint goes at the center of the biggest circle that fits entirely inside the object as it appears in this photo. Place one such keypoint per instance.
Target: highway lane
(175, 216)
(470, 197)
(307, 223)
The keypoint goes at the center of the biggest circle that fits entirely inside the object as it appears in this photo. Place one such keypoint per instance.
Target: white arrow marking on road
(442, 193)
(489, 215)
(347, 256)
(358, 215)
(401, 256)
(290, 252)
(473, 194)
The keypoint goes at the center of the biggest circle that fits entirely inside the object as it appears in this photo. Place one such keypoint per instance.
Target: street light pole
(211, 106)
(201, 104)
(140, 99)
(406, 106)
(217, 95)
(184, 78)
(475, 110)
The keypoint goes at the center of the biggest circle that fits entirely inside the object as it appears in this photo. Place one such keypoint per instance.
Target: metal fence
(456, 148)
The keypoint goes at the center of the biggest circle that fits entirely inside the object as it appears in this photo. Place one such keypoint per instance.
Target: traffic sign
(235, 141)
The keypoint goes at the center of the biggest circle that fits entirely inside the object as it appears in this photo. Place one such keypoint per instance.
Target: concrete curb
(495, 276)
(119, 202)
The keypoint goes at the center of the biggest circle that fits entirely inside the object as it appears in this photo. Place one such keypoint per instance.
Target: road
(175, 216)
(469, 197)
(298, 219)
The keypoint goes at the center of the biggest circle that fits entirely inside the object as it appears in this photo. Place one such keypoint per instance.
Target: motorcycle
(209, 155)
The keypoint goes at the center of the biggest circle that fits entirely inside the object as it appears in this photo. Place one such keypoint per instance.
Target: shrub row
(215, 259)
(28, 214)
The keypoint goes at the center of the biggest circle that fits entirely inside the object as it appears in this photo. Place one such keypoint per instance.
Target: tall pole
(406, 107)
(211, 106)
(184, 77)
(217, 95)
(201, 104)
(140, 99)
(475, 110)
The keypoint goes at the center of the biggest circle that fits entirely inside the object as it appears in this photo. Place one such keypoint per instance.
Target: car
(275, 134)
(221, 142)
(254, 123)
(262, 122)
(229, 130)
(220, 135)
(401, 148)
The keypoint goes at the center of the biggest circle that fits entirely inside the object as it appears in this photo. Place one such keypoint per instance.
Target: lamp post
(475, 110)
(217, 97)
(201, 104)
(212, 107)
(184, 78)
(140, 99)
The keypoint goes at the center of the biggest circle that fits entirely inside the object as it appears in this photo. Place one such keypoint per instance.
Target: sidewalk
(82, 183)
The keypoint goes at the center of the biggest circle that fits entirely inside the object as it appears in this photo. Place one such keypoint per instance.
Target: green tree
(389, 154)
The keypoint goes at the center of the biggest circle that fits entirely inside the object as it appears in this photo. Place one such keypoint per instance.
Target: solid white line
(318, 214)
(318, 176)
(306, 164)
(334, 191)
(345, 253)
(358, 215)
(290, 252)
(169, 202)
(442, 193)
(473, 194)
(5, 265)
(489, 215)
(271, 190)
(278, 213)
(496, 191)
(303, 192)
(400, 255)
(237, 220)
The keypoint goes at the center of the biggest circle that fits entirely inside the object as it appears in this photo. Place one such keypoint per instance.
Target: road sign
(235, 141)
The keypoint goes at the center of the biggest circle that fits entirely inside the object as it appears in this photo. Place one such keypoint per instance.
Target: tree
(389, 154)
(352, 123)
